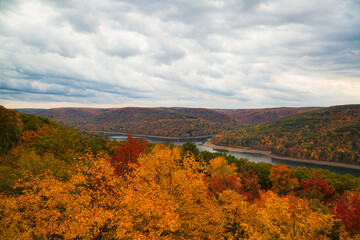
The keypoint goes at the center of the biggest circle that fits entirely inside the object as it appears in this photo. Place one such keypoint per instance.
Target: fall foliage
(282, 180)
(127, 154)
(57, 184)
(170, 122)
(330, 134)
(348, 211)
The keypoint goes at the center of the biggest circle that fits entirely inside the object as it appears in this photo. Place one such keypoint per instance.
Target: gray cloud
(228, 54)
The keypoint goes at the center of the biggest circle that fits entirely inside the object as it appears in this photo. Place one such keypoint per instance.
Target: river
(254, 157)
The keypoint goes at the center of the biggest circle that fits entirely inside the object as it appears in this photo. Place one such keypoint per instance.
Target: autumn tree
(166, 198)
(289, 217)
(126, 154)
(83, 207)
(183, 187)
(282, 180)
(239, 216)
(348, 211)
(262, 169)
(223, 176)
(317, 188)
(250, 184)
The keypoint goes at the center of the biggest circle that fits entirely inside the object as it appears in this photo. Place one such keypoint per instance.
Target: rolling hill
(149, 121)
(330, 134)
(258, 116)
(170, 122)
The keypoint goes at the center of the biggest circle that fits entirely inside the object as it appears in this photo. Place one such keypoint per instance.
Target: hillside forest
(329, 134)
(166, 122)
(58, 184)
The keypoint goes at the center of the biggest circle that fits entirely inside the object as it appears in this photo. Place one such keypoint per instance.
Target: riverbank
(271, 155)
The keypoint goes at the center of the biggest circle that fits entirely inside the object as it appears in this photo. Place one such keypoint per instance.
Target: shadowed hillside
(171, 122)
(257, 116)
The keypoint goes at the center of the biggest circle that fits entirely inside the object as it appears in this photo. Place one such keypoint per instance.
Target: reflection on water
(253, 157)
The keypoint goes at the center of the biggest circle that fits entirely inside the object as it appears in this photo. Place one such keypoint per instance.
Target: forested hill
(172, 122)
(58, 184)
(264, 115)
(149, 121)
(330, 134)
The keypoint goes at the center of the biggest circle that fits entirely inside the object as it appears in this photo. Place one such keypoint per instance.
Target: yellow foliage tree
(194, 215)
(83, 207)
(219, 167)
(239, 216)
(289, 217)
(164, 198)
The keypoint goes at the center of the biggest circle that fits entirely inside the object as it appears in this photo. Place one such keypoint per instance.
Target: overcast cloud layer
(203, 53)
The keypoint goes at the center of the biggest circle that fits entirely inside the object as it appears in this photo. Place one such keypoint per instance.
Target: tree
(281, 179)
(190, 147)
(262, 169)
(348, 211)
(10, 128)
(301, 173)
(83, 207)
(239, 216)
(249, 184)
(181, 189)
(289, 217)
(219, 167)
(127, 154)
(317, 188)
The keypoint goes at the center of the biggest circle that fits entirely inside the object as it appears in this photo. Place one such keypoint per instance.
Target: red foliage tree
(219, 184)
(127, 154)
(348, 211)
(317, 188)
(250, 184)
(245, 183)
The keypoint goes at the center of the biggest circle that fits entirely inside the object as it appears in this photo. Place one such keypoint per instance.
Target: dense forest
(169, 122)
(59, 184)
(264, 115)
(330, 134)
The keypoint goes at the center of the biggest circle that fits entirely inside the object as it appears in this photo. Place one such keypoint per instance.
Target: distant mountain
(30, 110)
(330, 134)
(173, 122)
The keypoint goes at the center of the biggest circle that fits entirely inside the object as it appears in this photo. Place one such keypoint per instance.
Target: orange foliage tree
(282, 181)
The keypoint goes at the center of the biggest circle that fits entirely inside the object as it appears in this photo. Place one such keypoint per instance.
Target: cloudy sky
(191, 53)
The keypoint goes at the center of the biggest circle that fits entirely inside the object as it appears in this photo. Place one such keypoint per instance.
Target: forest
(59, 184)
(330, 134)
(167, 122)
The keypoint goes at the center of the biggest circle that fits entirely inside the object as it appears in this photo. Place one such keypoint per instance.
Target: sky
(171, 53)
